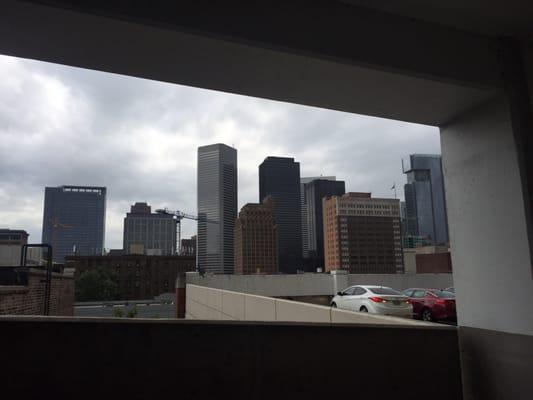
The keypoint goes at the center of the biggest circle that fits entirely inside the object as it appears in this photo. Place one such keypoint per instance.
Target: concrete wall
(215, 304)
(90, 358)
(314, 284)
(29, 300)
(9, 255)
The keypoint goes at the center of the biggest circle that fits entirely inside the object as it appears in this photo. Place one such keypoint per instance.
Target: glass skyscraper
(279, 177)
(315, 191)
(303, 206)
(425, 198)
(217, 207)
(74, 220)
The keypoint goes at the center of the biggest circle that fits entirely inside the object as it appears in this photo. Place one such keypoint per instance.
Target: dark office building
(74, 220)
(217, 207)
(425, 199)
(149, 233)
(279, 177)
(315, 191)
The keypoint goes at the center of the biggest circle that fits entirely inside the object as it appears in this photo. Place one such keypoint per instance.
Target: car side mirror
(339, 293)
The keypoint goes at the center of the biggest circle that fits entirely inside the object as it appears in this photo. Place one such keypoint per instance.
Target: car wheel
(426, 315)
(363, 309)
(333, 305)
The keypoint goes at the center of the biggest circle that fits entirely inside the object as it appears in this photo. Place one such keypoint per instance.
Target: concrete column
(489, 225)
(340, 280)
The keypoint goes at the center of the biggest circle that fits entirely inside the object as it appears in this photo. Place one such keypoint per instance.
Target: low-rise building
(427, 259)
(11, 242)
(139, 276)
(362, 234)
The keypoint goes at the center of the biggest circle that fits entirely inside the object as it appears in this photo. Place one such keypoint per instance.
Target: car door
(353, 302)
(417, 300)
(343, 301)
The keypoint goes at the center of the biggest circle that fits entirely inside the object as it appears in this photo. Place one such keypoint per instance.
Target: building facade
(279, 177)
(362, 234)
(188, 246)
(315, 192)
(149, 233)
(217, 207)
(74, 220)
(139, 276)
(256, 239)
(303, 209)
(425, 198)
(11, 242)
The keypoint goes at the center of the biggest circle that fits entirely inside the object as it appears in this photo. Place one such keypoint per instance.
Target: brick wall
(29, 300)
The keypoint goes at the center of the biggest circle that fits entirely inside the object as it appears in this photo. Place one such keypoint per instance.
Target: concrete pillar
(489, 225)
(180, 295)
(340, 280)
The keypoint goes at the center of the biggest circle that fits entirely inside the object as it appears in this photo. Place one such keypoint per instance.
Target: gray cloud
(61, 125)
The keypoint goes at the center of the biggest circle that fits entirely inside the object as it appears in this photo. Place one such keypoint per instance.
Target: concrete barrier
(216, 304)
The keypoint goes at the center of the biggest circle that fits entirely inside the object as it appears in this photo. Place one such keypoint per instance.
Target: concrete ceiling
(491, 17)
(330, 55)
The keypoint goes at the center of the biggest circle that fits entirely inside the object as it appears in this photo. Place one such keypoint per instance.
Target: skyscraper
(362, 234)
(74, 220)
(148, 233)
(279, 177)
(217, 207)
(303, 206)
(425, 199)
(256, 242)
(315, 191)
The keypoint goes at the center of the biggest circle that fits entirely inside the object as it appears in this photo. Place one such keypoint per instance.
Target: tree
(97, 285)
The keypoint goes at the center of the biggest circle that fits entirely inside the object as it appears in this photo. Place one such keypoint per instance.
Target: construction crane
(179, 215)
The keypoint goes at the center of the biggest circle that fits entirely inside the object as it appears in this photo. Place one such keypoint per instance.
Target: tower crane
(179, 215)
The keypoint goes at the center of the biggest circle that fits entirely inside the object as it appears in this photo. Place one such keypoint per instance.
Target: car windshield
(384, 290)
(443, 294)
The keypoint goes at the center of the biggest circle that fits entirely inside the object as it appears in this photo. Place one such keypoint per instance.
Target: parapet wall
(215, 304)
(29, 300)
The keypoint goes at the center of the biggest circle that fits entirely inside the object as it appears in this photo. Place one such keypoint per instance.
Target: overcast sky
(68, 126)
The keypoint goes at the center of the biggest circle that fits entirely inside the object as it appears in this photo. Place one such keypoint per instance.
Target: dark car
(432, 304)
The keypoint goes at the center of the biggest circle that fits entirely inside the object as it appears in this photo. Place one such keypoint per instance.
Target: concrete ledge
(134, 359)
(217, 304)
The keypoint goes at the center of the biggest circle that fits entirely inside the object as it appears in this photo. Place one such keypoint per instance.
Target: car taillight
(440, 301)
(378, 299)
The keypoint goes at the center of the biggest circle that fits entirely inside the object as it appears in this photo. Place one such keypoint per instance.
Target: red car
(432, 304)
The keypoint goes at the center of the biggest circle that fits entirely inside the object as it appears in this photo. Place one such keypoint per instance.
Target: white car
(373, 299)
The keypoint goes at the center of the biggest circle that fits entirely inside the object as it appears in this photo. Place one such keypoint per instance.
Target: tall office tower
(279, 177)
(315, 191)
(74, 220)
(425, 199)
(217, 207)
(256, 239)
(362, 234)
(148, 233)
(303, 207)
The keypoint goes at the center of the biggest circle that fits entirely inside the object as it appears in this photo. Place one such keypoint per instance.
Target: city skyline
(139, 138)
